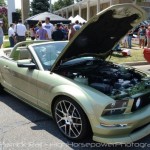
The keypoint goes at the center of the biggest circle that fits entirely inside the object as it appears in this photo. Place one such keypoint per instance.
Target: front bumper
(137, 127)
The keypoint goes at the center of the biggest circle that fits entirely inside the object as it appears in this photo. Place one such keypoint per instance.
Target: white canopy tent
(70, 18)
(79, 18)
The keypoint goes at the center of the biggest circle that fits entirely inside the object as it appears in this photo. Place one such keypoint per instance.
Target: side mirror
(26, 64)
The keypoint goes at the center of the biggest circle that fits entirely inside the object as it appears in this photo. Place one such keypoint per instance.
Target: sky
(18, 3)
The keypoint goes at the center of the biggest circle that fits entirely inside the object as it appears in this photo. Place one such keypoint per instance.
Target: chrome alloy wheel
(68, 119)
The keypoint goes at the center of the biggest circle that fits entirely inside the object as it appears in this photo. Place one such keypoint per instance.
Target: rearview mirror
(26, 64)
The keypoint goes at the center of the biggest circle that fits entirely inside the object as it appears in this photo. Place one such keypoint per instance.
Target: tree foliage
(19, 12)
(39, 6)
(78, 0)
(62, 3)
(2, 3)
(3, 17)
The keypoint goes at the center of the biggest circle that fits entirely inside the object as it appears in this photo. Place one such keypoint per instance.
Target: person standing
(58, 35)
(41, 34)
(148, 36)
(71, 31)
(32, 32)
(142, 34)
(11, 35)
(48, 27)
(129, 38)
(1, 34)
(77, 26)
(20, 31)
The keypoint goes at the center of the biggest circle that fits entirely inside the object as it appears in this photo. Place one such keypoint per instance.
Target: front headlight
(118, 107)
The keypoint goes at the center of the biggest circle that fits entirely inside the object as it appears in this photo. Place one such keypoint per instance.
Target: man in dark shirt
(58, 34)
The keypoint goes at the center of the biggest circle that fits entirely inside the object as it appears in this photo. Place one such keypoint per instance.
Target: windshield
(48, 53)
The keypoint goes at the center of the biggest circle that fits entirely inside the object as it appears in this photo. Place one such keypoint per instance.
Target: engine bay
(113, 80)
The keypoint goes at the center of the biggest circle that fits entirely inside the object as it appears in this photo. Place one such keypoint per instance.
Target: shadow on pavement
(44, 122)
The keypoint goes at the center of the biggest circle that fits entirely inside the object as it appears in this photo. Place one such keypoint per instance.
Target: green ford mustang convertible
(73, 83)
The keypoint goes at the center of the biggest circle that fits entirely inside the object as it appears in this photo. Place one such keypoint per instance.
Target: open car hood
(102, 32)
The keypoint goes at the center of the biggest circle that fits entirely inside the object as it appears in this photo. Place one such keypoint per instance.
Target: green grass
(136, 55)
(6, 44)
(6, 37)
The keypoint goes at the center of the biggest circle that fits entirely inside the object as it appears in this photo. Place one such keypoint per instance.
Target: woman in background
(148, 36)
(142, 35)
(32, 32)
(1, 34)
(71, 31)
(41, 34)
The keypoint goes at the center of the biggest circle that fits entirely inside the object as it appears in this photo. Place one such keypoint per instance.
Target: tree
(39, 6)
(78, 0)
(2, 3)
(62, 3)
(3, 17)
(19, 12)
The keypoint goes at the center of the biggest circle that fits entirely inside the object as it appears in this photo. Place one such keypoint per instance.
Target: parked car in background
(73, 83)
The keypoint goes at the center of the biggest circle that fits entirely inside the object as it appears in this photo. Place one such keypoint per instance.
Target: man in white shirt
(20, 31)
(77, 26)
(11, 35)
(48, 27)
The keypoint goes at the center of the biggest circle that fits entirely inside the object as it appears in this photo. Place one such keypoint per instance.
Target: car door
(5, 72)
(22, 81)
(46, 82)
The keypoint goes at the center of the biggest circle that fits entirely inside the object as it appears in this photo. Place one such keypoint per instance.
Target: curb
(138, 63)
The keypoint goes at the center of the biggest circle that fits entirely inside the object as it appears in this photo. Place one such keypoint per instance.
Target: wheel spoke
(58, 115)
(75, 117)
(60, 120)
(65, 106)
(76, 129)
(73, 132)
(68, 108)
(69, 130)
(73, 111)
(60, 111)
(77, 124)
(62, 108)
(62, 126)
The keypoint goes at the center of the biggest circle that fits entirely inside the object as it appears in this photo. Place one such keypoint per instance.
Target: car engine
(113, 80)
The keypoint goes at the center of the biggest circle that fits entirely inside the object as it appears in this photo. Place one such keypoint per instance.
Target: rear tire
(71, 119)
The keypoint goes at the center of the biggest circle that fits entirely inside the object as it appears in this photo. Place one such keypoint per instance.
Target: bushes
(3, 17)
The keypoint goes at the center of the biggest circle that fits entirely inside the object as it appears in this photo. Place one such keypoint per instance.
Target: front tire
(71, 119)
(1, 89)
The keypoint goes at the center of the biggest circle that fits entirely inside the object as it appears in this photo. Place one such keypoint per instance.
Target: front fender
(91, 101)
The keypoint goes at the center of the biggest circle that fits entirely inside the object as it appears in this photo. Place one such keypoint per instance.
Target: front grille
(145, 100)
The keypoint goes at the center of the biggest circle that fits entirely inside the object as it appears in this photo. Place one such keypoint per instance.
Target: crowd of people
(143, 34)
(47, 31)
(40, 31)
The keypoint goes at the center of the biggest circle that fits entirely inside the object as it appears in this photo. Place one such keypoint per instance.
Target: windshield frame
(43, 50)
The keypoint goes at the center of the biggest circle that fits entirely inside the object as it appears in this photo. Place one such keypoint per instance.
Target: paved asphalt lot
(24, 128)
